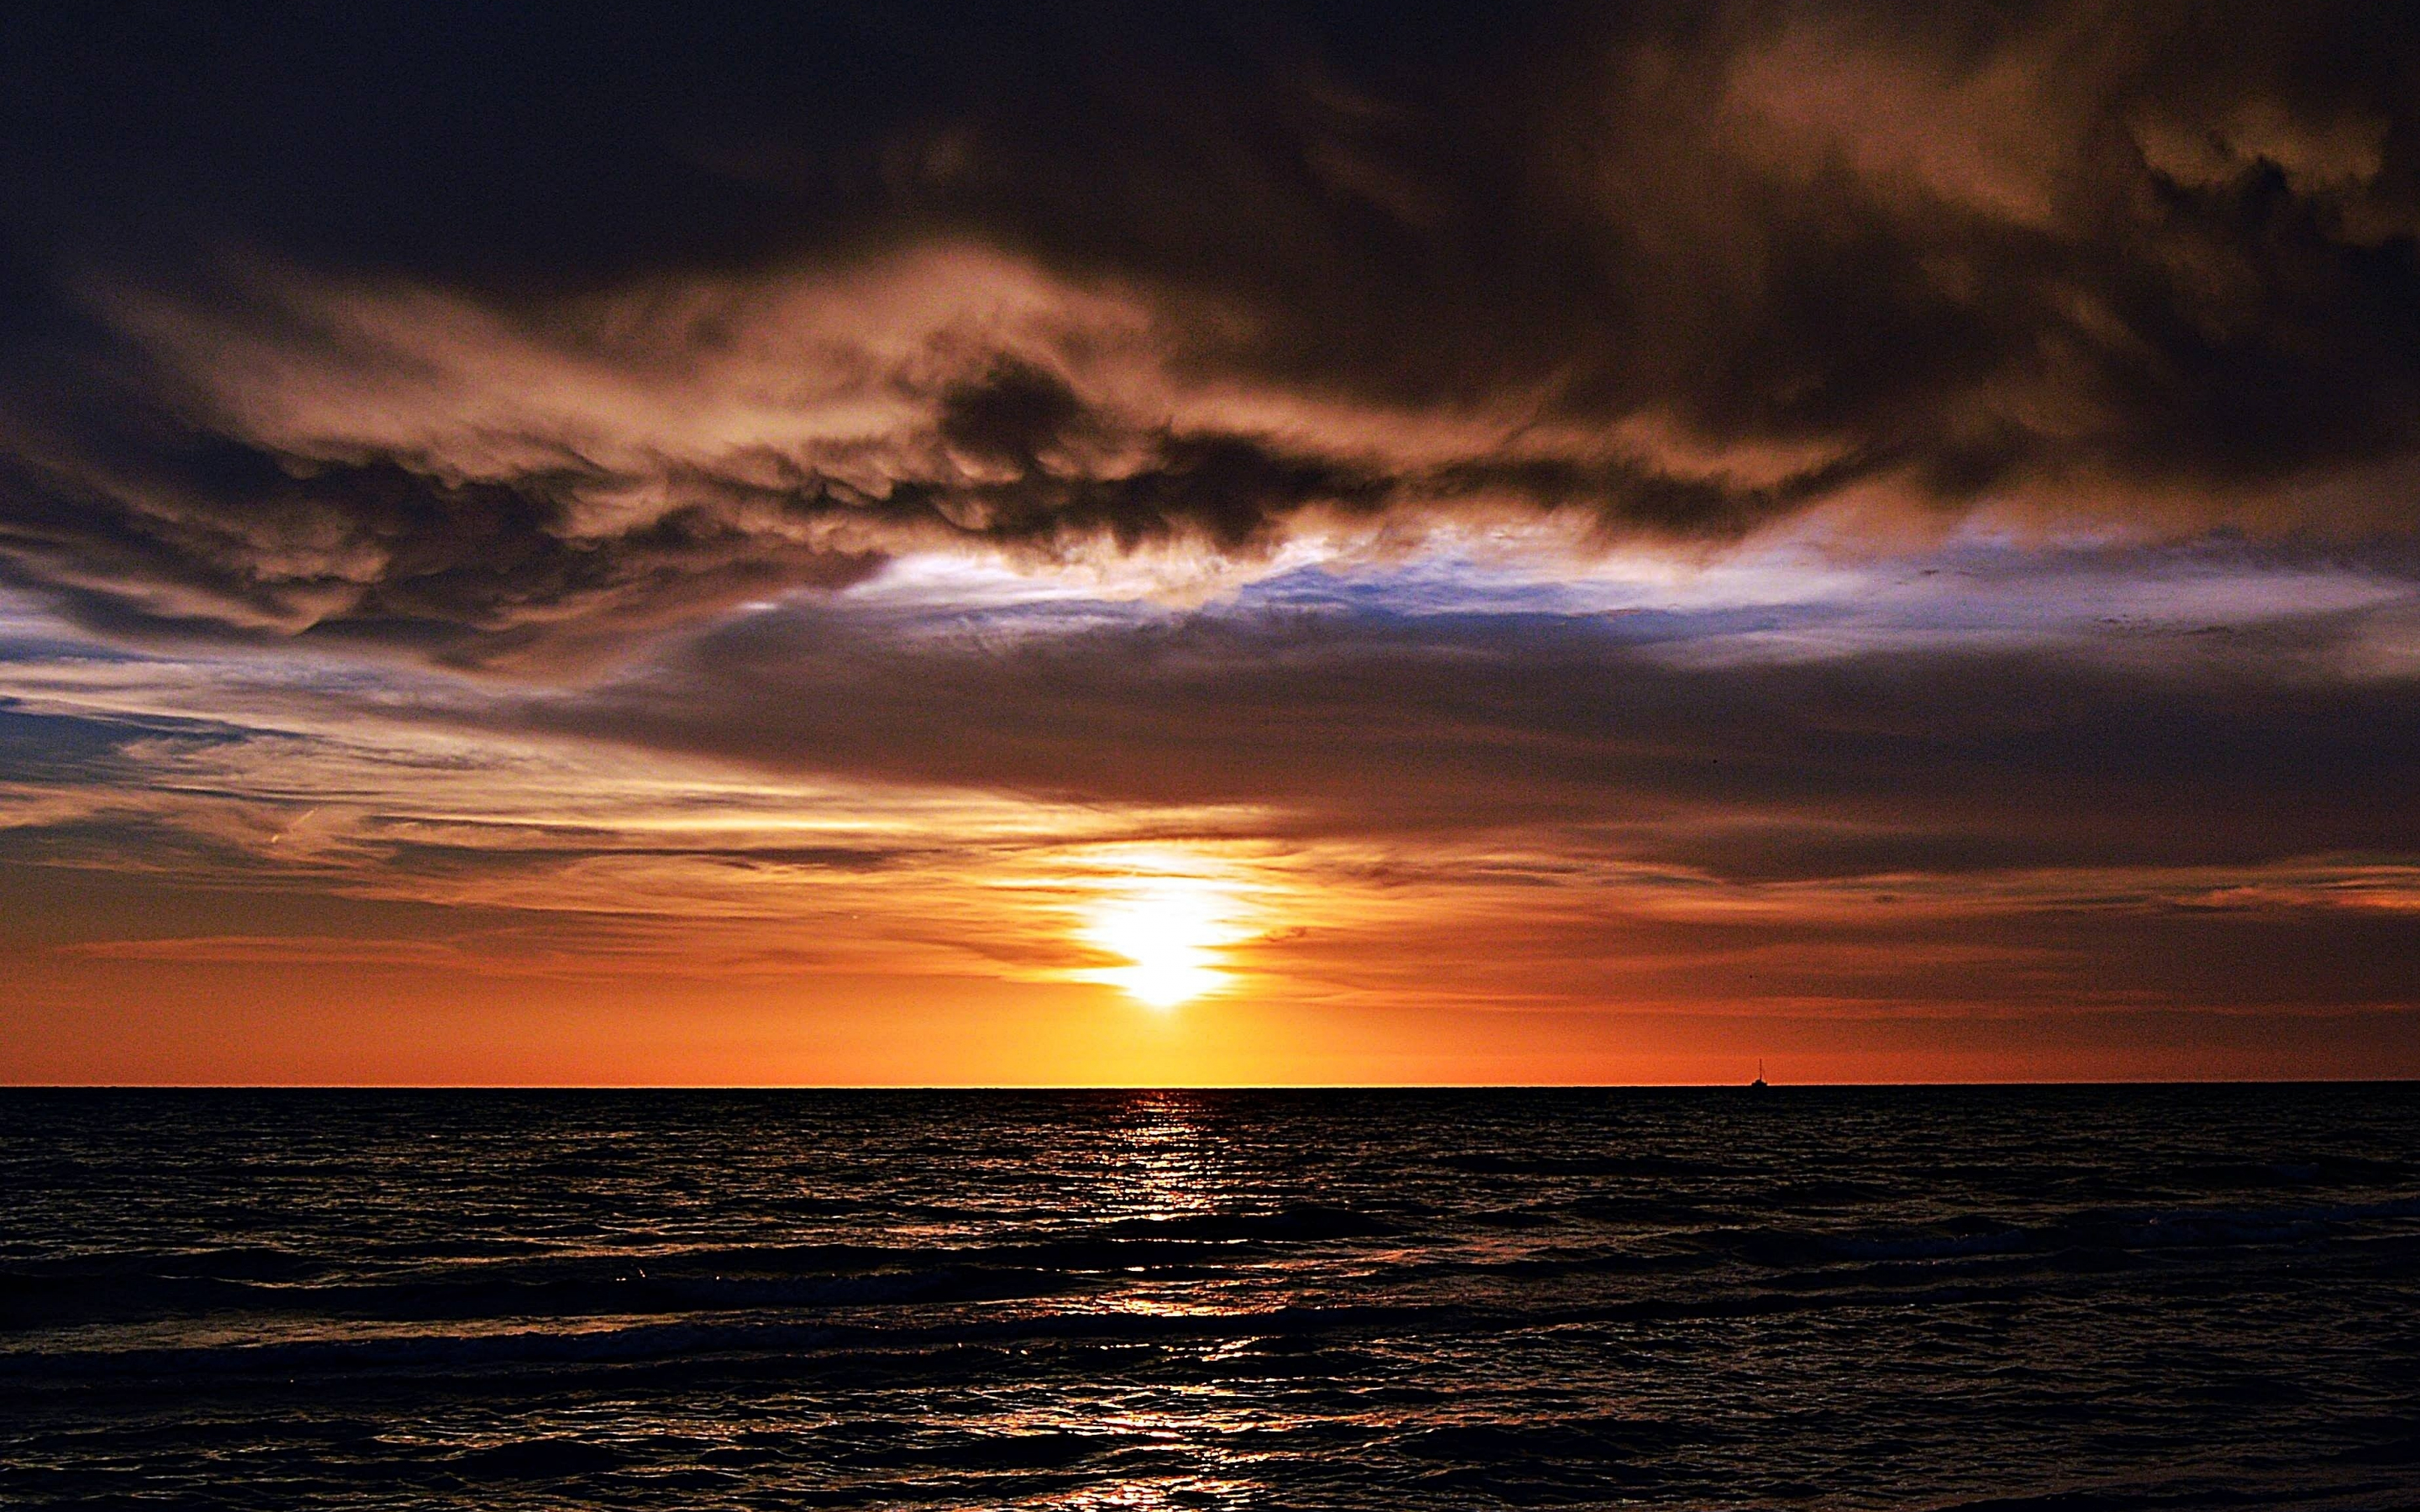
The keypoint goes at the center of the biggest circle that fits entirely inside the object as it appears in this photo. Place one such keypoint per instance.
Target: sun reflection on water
(1164, 1161)
(1156, 1167)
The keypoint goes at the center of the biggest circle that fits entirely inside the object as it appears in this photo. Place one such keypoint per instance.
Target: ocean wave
(1428, 1301)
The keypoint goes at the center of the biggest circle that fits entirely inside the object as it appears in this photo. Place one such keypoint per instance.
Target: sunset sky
(921, 543)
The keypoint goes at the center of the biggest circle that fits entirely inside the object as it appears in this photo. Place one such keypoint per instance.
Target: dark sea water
(2055, 1298)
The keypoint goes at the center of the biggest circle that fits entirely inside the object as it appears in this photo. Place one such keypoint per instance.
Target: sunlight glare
(1169, 929)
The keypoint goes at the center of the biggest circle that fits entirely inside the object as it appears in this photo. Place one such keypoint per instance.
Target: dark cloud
(1366, 726)
(1685, 269)
(231, 541)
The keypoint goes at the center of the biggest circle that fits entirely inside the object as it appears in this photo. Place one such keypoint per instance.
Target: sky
(1053, 543)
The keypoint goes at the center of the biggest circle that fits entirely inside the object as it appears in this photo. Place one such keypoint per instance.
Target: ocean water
(2055, 1298)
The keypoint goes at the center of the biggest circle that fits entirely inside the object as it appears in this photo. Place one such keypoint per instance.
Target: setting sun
(1169, 929)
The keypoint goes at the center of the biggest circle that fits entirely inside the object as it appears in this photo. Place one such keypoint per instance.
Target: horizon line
(1173, 1086)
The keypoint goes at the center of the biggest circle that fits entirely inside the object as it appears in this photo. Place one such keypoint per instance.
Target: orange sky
(150, 1023)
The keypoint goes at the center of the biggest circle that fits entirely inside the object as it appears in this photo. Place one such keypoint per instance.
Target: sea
(2045, 1297)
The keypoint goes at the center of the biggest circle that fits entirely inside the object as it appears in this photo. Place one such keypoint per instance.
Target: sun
(1169, 929)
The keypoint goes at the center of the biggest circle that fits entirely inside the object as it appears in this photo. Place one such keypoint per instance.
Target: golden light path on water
(1168, 1167)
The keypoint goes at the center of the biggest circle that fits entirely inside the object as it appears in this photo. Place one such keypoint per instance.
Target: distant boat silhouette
(1760, 1084)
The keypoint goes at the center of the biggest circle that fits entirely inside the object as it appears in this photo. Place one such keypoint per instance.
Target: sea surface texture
(2054, 1298)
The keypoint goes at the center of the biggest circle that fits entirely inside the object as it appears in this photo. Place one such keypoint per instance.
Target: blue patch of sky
(42, 747)
(1968, 592)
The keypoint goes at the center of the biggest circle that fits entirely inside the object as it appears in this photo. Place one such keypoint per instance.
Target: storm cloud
(506, 335)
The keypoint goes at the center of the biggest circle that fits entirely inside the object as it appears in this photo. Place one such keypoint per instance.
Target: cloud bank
(506, 338)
